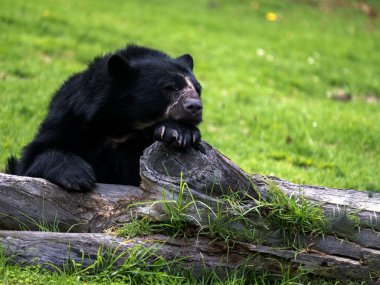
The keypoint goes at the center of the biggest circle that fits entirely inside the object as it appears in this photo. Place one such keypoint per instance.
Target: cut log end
(206, 171)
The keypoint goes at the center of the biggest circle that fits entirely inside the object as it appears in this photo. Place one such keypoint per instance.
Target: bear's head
(150, 86)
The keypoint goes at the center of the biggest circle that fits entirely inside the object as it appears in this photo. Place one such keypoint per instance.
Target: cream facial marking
(175, 103)
(189, 83)
(162, 132)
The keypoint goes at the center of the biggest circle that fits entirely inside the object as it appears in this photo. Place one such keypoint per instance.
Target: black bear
(100, 120)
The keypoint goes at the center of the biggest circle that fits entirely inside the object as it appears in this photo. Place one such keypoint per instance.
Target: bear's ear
(119, 68)
(186, 60)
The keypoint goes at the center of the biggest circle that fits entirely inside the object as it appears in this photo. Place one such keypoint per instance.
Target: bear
(101, 119)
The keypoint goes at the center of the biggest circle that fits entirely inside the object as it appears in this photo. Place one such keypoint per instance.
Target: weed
(291, 216)
(4, 259)
(137, 227)
(181, 210)
(232, 220)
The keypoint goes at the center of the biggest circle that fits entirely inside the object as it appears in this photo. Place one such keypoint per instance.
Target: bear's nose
(193, 106)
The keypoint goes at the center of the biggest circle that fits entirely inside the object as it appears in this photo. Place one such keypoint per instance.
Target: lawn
(267, 81)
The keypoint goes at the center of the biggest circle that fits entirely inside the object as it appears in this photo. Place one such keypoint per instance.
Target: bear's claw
(178, 134)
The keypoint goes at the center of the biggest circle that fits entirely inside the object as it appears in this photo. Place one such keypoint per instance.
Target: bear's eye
(170, 86)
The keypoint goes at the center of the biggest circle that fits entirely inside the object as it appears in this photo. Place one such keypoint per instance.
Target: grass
(292, 216)
(233, 217)
(265, 83)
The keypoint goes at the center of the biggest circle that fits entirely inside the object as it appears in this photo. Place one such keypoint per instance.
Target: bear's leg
(181, 135)
(64, 169)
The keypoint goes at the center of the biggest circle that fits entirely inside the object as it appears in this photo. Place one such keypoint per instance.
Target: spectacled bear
(100, 120)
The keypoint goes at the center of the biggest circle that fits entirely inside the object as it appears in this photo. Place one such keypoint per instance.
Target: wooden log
(351, 251)
(26, 203)
(346, 260)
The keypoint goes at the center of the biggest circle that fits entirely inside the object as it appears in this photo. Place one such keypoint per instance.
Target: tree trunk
(349, 249)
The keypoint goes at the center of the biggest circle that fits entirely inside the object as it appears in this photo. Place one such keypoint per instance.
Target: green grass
(233, 217)
(265, 83)
(293, 216)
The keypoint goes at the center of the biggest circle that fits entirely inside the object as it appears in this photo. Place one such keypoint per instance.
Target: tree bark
(348, 251)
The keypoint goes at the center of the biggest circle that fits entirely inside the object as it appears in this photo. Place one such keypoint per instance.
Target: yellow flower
(271, 16)
(46, 13)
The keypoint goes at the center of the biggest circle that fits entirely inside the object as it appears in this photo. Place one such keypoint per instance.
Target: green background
(265, 83)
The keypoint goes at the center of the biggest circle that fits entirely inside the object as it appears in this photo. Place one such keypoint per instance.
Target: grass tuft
(137, 227)
(292, 216)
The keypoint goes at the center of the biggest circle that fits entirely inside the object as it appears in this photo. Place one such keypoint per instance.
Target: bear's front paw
(76, 180)
(178, 134)
(65, 169)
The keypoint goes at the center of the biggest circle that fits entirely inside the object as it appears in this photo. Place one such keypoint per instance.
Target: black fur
(100, 120)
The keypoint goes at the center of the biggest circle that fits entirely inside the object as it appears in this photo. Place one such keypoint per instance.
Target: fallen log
(349, 248)
(195, 253)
